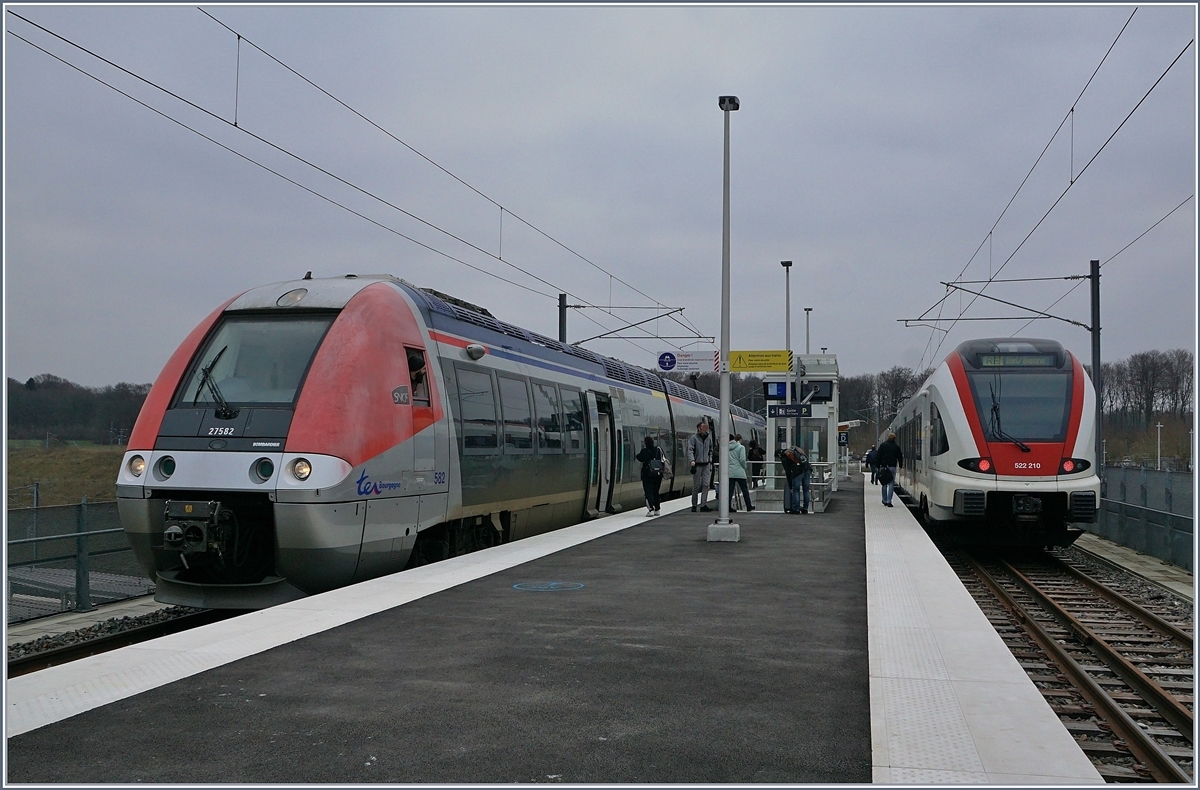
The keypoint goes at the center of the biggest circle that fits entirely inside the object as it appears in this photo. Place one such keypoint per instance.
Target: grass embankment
(65, 474)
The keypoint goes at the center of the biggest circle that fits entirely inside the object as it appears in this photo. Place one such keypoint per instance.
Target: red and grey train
(999, 445)
(320, 432)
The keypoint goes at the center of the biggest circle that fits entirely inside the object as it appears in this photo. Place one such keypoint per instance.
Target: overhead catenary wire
(1081, 278)
(1072, 184)
(273, 172)
(503, 209)
(304, 161)
(988, 238)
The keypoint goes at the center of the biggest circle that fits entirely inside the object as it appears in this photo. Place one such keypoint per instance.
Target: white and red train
(315, 433)
(999, 445)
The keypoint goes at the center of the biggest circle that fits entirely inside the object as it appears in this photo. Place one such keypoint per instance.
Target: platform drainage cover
(547, 586)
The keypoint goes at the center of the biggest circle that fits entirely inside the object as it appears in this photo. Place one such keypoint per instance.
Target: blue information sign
(666, 361)
(775, 390)
(789, 410)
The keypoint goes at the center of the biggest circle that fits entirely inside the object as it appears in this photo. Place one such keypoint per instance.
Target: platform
(673, 660)
(950, 704)
(677, 660)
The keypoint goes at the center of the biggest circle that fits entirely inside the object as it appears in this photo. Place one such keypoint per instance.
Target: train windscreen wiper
(994, 427)
(224, 410)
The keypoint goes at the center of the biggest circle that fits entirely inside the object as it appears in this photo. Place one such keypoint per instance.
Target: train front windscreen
(254, 360)
(1031, 405)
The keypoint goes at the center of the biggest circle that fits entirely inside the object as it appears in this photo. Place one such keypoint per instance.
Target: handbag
(884, 475)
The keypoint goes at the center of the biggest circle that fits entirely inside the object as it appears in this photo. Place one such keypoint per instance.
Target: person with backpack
(799, 477)
(888, 458)
(737, 472)
(654, 464)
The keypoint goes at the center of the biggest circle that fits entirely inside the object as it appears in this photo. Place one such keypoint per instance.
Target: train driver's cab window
(518, 419)
(253, 360)
(478, 411)
(549, 418)
(938, 442)
(418, 375)
(573, 415)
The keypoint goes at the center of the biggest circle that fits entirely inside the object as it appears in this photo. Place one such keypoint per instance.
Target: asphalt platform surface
(678, 660)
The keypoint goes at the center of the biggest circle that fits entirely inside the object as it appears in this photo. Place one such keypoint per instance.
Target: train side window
(518, 417)
(572, 401)
(917, 444)
(418, 375)
(549, 418)
(938, 442)
(479, 427)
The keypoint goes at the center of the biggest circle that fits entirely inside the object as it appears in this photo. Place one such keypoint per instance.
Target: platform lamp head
(728, 103)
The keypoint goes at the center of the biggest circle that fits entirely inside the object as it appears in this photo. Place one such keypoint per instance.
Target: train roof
(335, 292)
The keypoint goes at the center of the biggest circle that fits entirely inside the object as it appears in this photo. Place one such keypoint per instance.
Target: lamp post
(1158, 465)
(723, 529)
(807, 312)
(787, 312)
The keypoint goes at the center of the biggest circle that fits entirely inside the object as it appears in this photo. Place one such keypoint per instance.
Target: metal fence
(68, 557)
(1149, 511)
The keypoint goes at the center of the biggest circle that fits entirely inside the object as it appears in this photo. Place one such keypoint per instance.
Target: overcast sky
(875, 147)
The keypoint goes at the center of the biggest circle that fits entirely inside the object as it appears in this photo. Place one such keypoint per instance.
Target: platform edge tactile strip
(41, 698)
(949, 702)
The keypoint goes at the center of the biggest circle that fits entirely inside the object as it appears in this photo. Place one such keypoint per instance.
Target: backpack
(799, 459)
(656, 464)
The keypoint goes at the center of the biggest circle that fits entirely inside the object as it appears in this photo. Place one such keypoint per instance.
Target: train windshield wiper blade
(995, 429)
(224, 410)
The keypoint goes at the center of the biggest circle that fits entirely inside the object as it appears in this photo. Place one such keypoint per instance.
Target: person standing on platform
(653, 467)
(699, 454)
(799, 477)
(870, 458)
(737, 472)
(756, 456)
(888, 458)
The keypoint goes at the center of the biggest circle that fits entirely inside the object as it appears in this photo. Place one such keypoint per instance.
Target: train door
(600, 454)
(919, 472)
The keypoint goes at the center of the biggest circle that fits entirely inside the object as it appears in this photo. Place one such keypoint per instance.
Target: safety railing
(68, 557)
(1167, 536)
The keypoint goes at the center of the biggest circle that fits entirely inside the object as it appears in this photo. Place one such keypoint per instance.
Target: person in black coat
(651, 479)
(889, 456)
(871, 464)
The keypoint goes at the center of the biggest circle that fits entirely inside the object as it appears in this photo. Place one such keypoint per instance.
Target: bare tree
(1146, 374)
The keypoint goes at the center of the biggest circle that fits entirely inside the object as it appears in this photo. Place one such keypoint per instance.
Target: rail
(100, 567)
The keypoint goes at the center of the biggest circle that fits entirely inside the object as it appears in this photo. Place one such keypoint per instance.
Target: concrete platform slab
(949, 702)
(677, 660)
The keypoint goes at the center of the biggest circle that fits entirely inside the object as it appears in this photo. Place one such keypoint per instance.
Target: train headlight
(166, 467)
(137, 465)
(264, 468)
(301, 469)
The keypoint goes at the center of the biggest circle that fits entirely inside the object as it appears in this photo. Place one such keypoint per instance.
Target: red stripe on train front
(1076, 420)
(149, 420)
(954, 361)
(346, 408)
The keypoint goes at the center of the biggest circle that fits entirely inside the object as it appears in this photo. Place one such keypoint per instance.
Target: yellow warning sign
(758, 361)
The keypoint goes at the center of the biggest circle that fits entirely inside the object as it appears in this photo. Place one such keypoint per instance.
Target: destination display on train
(1018, 360)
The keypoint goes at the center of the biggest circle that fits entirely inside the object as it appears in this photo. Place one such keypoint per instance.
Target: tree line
(48, 408)
(1137, 391)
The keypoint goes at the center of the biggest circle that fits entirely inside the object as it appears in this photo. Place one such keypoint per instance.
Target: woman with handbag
(653, 466)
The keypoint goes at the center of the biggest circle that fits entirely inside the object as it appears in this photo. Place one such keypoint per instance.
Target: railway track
(44, 659)
(1119, 673)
